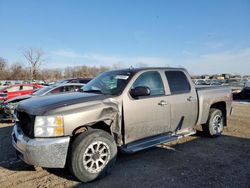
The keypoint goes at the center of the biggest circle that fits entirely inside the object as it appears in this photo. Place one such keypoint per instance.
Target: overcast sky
(205, 36)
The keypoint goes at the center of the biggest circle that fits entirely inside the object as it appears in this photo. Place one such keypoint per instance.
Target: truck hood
(41, 105)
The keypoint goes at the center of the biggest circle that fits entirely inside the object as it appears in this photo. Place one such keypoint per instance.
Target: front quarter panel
(89, 113)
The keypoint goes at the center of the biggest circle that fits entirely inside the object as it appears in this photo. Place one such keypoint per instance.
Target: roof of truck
(150, 68)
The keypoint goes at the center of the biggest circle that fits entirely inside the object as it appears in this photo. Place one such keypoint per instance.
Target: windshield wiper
(93, 91)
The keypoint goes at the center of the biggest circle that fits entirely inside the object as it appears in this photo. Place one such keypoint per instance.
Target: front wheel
(93, 155)
(215, 123)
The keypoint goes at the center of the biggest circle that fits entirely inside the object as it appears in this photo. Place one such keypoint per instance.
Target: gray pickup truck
(129, 109)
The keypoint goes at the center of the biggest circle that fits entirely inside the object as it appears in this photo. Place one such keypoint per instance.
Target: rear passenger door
(183, 100)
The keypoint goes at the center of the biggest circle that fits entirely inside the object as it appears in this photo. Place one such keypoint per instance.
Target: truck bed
(209, 95)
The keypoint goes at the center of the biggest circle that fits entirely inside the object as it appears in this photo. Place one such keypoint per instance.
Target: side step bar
(153, 141)
(185, 133)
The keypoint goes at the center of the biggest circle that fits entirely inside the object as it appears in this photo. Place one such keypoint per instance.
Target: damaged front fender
(108, 111)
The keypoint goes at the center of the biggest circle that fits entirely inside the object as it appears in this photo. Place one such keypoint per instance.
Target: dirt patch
(194, 161)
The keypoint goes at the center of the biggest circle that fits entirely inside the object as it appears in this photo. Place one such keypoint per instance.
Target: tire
(89, 150)
(215, 123)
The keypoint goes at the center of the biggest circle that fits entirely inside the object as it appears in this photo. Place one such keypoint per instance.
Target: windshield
(108, 83)
(44, 90)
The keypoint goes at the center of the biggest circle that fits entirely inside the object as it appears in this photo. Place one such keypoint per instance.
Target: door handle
(190, 99)
(162, 103)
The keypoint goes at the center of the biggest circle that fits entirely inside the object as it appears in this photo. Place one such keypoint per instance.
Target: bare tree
(83, 71)
(35, 58)
(117, 65)
(16, 71)
(3, 68)
(2, 63)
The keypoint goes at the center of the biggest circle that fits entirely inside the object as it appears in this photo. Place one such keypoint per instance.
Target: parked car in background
(71, 80)
(208, 82)
(75, 80)
(17, 90)
(244, 93)
(7, 83)
(215, 83)
(200, 82)
(7, 107)
(18, 82)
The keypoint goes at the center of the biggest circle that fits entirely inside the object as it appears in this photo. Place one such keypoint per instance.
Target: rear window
(178, 82)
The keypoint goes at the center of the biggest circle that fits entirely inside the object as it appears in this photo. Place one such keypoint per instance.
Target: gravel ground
(195, 161)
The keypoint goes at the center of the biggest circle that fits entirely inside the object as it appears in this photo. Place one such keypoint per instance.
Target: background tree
(16, 72)
(118, 65)
(35, 58)
(83, 71)
(3, 68)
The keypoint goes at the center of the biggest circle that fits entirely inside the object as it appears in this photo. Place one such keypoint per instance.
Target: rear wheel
(215, 124)
(93, 155)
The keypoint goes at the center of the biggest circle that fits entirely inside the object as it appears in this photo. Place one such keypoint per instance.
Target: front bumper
(44, 152)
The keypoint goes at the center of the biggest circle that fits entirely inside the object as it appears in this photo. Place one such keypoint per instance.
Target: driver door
(149, 115)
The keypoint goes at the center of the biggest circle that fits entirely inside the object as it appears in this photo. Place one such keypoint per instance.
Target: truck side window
(178, 82)
(152, 80)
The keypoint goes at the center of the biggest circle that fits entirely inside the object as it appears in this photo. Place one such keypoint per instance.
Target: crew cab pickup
(129, 110)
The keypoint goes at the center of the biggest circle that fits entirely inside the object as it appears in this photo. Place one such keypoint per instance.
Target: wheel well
(222, 107)
(101, 125)
(98, 125)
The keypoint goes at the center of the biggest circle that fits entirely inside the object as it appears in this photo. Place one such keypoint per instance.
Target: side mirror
(140, 91)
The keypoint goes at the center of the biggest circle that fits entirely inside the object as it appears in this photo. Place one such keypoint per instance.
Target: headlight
(11, 106)
(48, 126)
